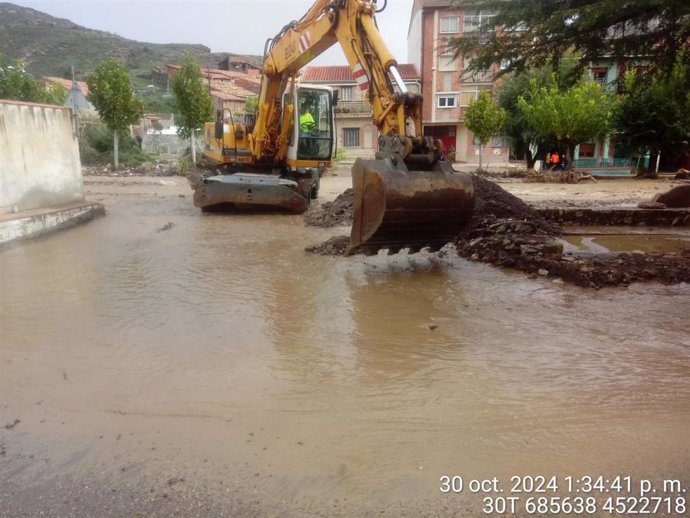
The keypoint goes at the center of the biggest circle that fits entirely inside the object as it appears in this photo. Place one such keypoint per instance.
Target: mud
(332, 213)
(677, 197)
(509, 244)
(215, 369)
(507, 232)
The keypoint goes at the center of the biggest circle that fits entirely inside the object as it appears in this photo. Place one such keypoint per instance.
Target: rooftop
(343, 74)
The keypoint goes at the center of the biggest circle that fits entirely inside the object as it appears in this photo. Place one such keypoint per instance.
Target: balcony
(346, 109)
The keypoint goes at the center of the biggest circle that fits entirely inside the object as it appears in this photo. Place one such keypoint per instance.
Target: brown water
(219, 352)
(626, 239)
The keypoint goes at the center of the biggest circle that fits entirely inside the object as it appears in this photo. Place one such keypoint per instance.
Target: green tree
(569, 116)
(534, 32)
(652, 116)
(522, 140)
(251, 105)
(485, 119)
(193, 100)
(16, 83)
(110, 91)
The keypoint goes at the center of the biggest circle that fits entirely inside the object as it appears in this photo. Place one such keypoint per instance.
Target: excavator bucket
(395, 208)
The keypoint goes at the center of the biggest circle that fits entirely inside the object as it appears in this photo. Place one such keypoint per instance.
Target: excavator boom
(406, 196)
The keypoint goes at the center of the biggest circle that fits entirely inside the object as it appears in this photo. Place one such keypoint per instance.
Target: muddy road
(164, 362)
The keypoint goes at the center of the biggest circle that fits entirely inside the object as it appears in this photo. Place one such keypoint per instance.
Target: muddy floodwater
(164, 362)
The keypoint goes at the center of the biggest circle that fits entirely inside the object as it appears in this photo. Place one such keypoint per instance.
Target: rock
(543, 272)
(552, 247)
(678, 197)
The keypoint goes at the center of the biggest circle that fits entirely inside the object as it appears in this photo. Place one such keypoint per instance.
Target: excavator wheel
(396, 208)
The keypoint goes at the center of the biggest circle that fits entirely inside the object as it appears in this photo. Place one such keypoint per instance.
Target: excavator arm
(404, 197)
(349, 23)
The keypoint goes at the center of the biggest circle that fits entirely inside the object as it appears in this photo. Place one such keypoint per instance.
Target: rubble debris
(506, 232)
(336, 245)
(158, 168)
(332, 213)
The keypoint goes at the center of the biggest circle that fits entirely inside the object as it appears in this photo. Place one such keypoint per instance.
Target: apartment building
(355, 132)
(447, 88)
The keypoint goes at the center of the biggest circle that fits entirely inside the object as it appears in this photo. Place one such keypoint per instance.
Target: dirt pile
(333, 246)
(332, 213)
(493, 202)
(512, 244)
(504, 231)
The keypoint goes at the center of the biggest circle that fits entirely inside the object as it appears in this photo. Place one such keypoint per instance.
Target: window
(475, 19)
(497, 142)
(447, 100)
(518, 27)
(468, 96)
(447, 63)
(351, 137)
(587, 150)
(345, 93)
(450, 24)
(483, 76)
(600, 75)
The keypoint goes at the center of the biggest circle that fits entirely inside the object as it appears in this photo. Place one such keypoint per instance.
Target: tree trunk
(569, 151)
(116, 150)
(529, 158)
(193, 148)
(480, 157)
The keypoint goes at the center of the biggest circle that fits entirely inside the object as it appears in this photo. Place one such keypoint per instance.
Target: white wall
(39, 157)
(414, 38)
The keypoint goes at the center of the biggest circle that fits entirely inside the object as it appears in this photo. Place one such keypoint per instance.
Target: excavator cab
(311, 144)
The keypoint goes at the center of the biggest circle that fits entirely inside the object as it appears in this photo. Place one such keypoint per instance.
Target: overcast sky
(239, 26)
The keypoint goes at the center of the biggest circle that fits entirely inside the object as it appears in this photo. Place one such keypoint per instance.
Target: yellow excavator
(406, 197)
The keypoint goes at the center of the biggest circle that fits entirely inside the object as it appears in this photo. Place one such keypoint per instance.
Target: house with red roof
(229, 89)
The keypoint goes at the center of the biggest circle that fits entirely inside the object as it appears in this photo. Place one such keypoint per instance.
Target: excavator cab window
(315, 125)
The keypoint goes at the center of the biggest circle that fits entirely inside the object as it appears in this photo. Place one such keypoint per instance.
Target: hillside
(50, 46)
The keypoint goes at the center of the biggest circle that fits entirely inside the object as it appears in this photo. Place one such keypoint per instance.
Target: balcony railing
(352, 107)
(601, 162)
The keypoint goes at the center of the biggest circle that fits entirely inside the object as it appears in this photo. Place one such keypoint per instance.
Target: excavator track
(395, 208)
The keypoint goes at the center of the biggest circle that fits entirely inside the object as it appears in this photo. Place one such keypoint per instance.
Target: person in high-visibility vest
(306, 121)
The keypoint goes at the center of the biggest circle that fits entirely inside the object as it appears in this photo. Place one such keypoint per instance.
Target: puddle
(601, 240)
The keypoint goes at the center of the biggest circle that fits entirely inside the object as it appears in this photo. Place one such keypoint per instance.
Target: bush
(96, 147)
(339, 155)
(184, 165)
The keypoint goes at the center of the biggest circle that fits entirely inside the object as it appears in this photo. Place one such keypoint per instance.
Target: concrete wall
(39, 157)
(158, 144)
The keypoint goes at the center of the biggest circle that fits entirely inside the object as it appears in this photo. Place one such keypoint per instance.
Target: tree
(251, 105)
(193, 100)
(653, 114)
(534, 32)
(16, 83)
(485, 119)
(522, 140)
(569, 116)
(110, 91)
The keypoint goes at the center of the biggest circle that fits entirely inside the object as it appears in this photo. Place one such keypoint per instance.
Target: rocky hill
(50, 46)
